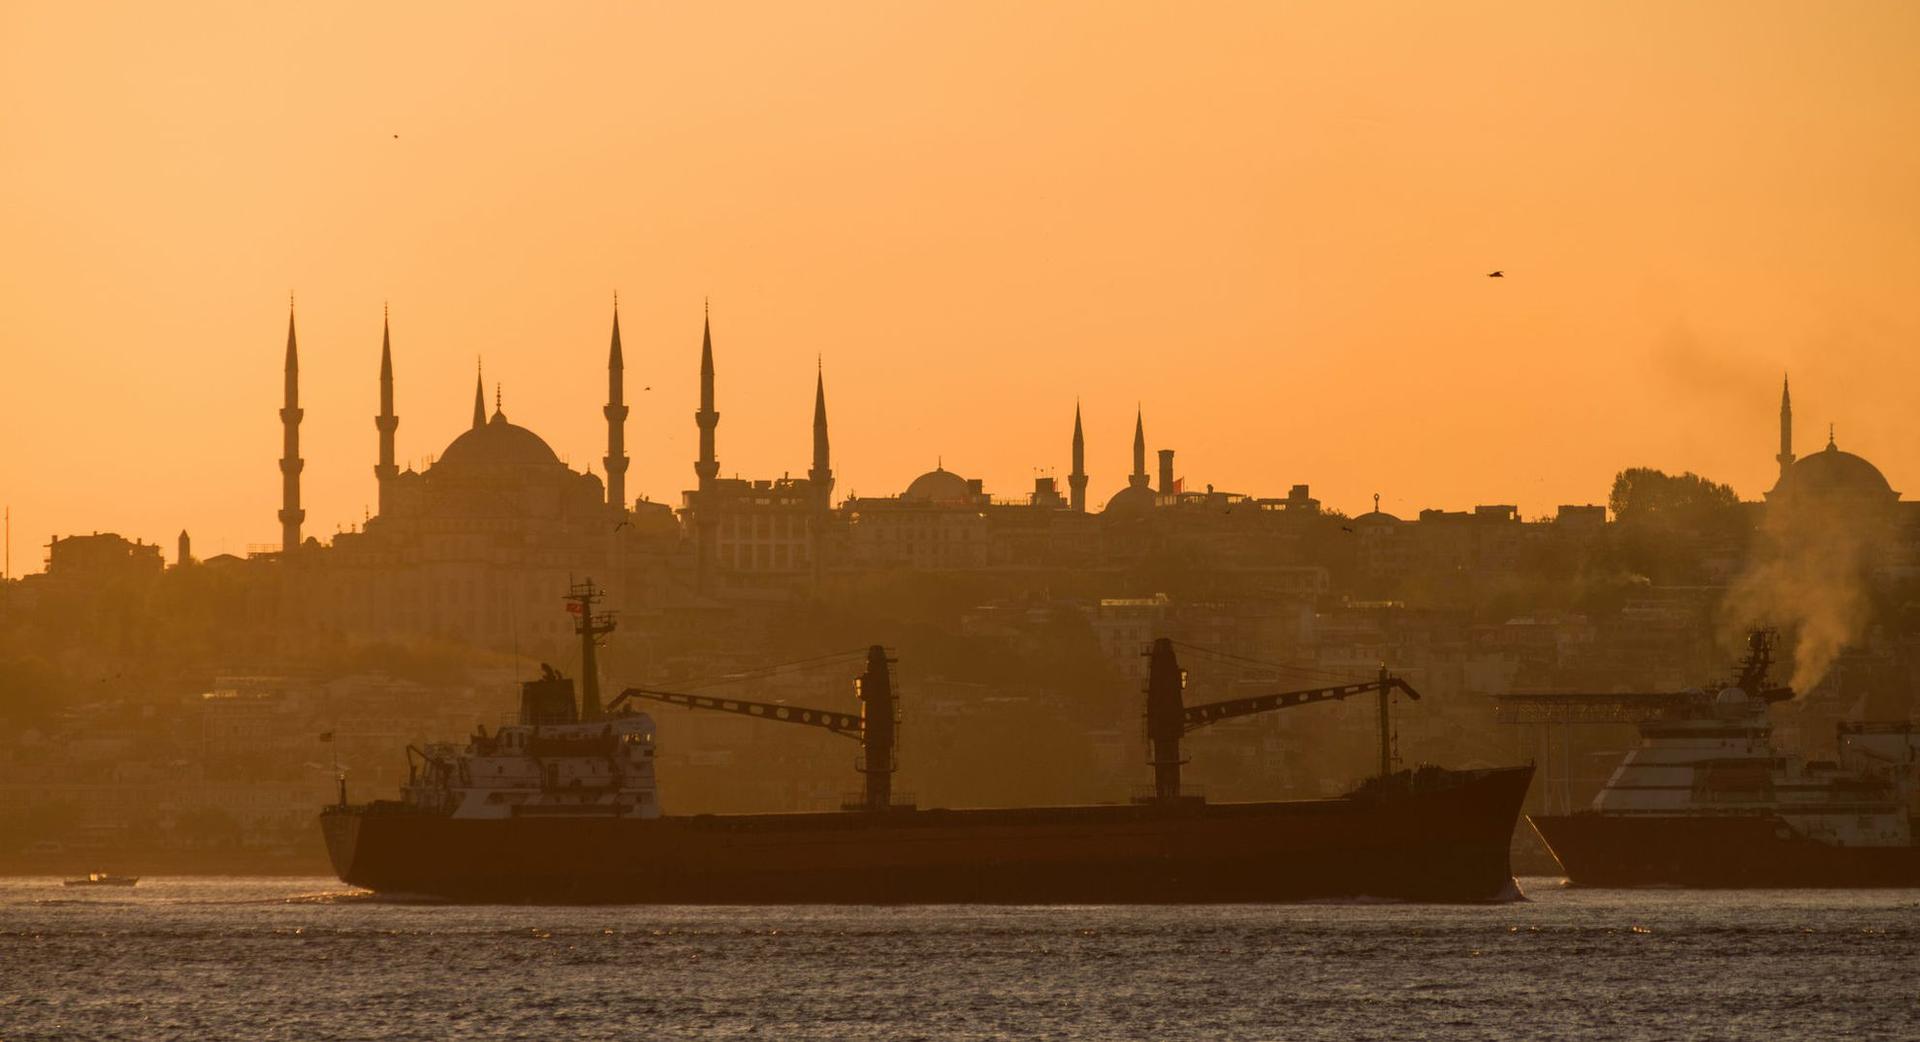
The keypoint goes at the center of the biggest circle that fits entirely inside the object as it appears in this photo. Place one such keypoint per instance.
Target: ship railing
(858, 801)
(1188, 794)
(1589, 708)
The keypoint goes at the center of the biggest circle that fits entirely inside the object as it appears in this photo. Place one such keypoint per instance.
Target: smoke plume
(1810, 575)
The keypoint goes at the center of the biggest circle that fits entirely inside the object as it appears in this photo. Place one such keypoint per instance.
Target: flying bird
(1496, 274)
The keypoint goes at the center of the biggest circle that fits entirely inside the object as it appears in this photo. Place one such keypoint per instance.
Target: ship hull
(1714, 851)
(1443, 840)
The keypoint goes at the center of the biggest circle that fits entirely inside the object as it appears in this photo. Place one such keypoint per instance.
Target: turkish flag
(573, 607)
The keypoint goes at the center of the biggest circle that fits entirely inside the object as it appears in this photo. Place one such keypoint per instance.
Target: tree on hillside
(1667, 522)
(1685, 501)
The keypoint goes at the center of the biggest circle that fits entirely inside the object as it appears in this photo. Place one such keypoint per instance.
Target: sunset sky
(1268, 224)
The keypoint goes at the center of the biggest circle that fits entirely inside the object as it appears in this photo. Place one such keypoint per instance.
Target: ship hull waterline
(1729, 851)
(1449, 844)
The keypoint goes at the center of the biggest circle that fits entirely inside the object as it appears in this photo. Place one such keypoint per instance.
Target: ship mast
(590, 626)
(1165, 682)
(878, 714)
(1169, 719)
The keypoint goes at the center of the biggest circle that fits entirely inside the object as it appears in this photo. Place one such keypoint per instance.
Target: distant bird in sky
(1496, 274)
(1346, 528)
(396, 137)
(619, 526)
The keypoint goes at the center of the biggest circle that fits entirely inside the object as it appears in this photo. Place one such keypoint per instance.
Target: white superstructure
(591, 768)
(1713, 755)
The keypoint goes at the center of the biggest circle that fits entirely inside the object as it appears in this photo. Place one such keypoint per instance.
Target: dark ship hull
(1430, 835)
(1717, 851)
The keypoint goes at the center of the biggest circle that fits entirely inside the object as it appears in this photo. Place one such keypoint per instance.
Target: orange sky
(1268, 223)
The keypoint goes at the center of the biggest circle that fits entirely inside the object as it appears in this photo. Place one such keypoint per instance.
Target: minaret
(1139, 479)
(1785, 459)
(479, 397)
(184, 555)
(290, 463)
(616, 413)
(385, 471)
(820, 479)
(1077, 481)
(822, 473)
(708, 468)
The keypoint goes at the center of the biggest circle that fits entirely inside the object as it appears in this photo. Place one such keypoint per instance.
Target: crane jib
(840, 723)
(1195, 717)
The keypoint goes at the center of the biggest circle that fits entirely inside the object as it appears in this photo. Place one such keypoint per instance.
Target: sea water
(269, 958)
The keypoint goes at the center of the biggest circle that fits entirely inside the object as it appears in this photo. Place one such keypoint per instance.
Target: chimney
(1166, 472)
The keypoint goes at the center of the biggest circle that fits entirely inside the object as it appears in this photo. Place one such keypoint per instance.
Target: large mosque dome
(498, 443)
(1834, 474)
(495, 470)
(939, 485)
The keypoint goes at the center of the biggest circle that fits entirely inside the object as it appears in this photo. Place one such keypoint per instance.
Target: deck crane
(1169, 717)
(874, 727)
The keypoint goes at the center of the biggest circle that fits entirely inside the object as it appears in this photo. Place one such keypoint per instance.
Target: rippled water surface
(306, 959)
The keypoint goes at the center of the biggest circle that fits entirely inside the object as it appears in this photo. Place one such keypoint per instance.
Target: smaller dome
(1376, 518)
(939, 485)
(1134, 499)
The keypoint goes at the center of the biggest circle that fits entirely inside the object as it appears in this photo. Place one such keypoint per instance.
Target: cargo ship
(1707, 801)
(563, 806)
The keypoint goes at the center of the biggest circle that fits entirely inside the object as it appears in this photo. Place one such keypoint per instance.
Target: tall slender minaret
(707, 419)
(1785, 459)
(1139, 479)
(616, 413)
(479, 396)
(819, 479)
(385, 471)
(290, 462)
(822, 473)
(1077, 481)
(706, 524)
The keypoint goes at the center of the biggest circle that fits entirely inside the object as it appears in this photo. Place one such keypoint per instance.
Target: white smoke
(1809, 573)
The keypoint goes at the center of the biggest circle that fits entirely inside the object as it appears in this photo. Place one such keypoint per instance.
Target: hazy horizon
(1269, 228)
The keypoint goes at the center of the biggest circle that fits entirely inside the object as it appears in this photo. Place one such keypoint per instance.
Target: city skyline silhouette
(1223, 217)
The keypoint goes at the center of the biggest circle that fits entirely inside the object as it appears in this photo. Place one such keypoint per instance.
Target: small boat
(103, 879)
